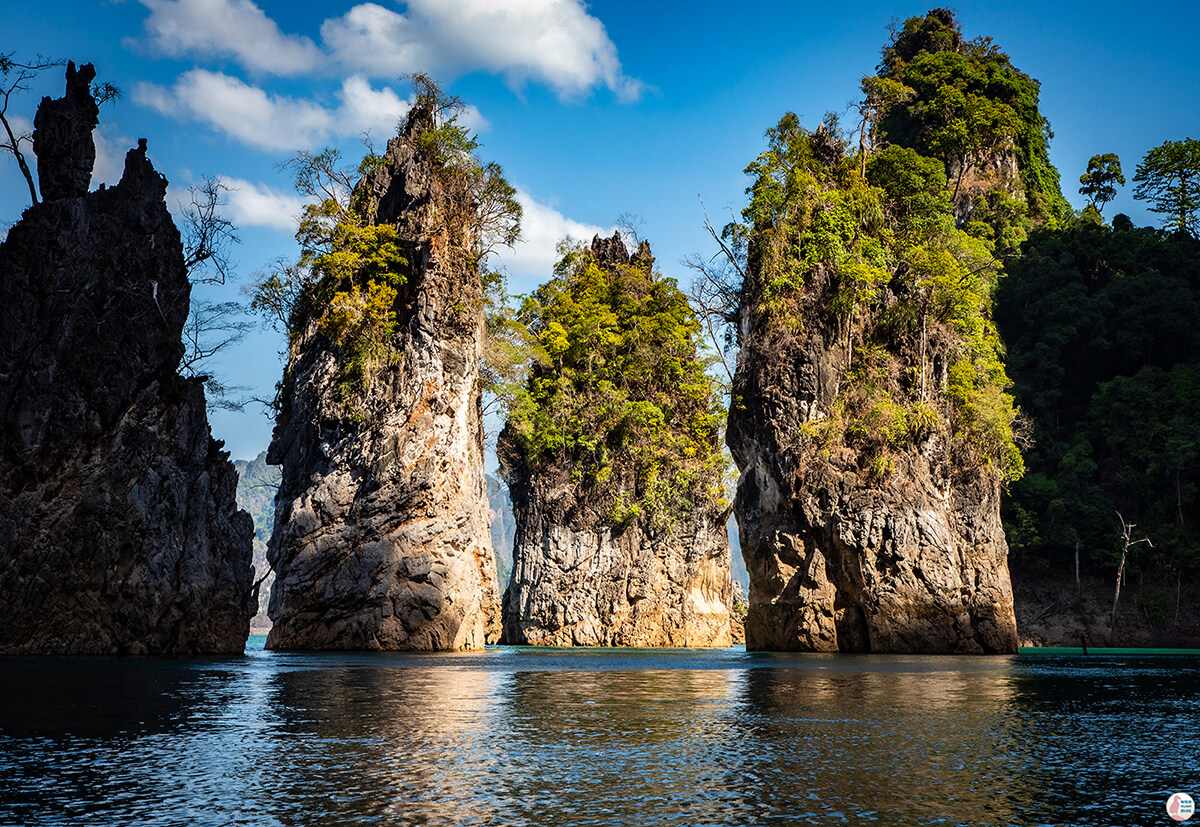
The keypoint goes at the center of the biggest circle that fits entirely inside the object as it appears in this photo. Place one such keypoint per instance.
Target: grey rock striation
(382, 537)
(580, 580)
(914, 563)
(119, 531)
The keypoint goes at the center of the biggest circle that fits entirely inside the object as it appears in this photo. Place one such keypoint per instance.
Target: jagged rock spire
(62, 137)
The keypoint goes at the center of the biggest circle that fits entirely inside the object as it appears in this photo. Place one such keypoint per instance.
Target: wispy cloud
(235, 29)
(530, 262)
(253, 117)
(111, 148)
(258, 205)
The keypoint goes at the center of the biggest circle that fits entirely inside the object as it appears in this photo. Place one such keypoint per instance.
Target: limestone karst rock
(916, 564)
(119, 531)
(581, 577)
(867, 524)
(382, 536)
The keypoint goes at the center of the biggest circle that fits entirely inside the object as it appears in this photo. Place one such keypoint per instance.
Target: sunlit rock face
(578, 580)
(916, 562)
(119, 531)
(382, 537)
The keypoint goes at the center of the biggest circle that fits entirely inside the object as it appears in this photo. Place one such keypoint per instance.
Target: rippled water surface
(597, 737)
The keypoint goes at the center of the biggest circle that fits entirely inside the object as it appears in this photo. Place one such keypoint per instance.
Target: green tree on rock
(969, 107)
(1169, 178)
(1099, 183)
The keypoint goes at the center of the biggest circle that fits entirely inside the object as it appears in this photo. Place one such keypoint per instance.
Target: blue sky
(593, 110)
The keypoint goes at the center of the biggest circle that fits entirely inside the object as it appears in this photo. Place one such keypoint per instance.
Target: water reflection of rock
(102, 740)
(407, 740)
(619, 747)
(916, 739)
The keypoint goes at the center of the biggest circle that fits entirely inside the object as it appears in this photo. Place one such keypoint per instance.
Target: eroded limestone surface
(382, 536)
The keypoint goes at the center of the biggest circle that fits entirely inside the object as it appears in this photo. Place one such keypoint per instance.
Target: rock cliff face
(913, 563)
(382, 536)
(580, 580)
(119, 531)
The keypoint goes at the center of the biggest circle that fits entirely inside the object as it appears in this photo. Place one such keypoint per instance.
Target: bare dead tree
(15, 78)
(716, 292)
(1126, 534)
(210, 328)
(630, 224)
(208, 234)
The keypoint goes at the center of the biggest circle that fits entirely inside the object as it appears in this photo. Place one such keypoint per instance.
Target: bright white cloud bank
(551, 41)
(252, 116)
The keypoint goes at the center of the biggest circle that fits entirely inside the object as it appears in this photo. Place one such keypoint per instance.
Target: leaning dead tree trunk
(1126, 533)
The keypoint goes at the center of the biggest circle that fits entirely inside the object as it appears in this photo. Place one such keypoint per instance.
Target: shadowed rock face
(119, 531)
(917, 563)
(382, 537)
(579, 582)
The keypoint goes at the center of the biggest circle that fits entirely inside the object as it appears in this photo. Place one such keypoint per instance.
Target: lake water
(597, 737)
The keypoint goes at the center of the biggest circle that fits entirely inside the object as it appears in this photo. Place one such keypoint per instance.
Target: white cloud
(111, 148)
(370, 110)
(228, 28)
(258, 205)
(20, 126)
(551, 41)
(249, 115)
(379, 41)
(555, 41)
(531, 261)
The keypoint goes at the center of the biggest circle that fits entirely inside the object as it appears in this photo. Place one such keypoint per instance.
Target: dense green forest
(1103, 331)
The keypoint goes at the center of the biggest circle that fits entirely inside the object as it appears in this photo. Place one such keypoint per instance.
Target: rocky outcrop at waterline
(869, 420)
(914, 565)
(118, 525)
(594, 564)
(382, 535)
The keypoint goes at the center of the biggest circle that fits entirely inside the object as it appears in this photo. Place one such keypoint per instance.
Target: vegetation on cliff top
(617, 396)
(964, 103)
(351, 272)
(874, 247)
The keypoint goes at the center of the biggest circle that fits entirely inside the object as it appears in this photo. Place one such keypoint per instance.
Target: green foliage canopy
(880, 260)
(1099, 183)
(1169, 178)
(967, 103)
(618, 396)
